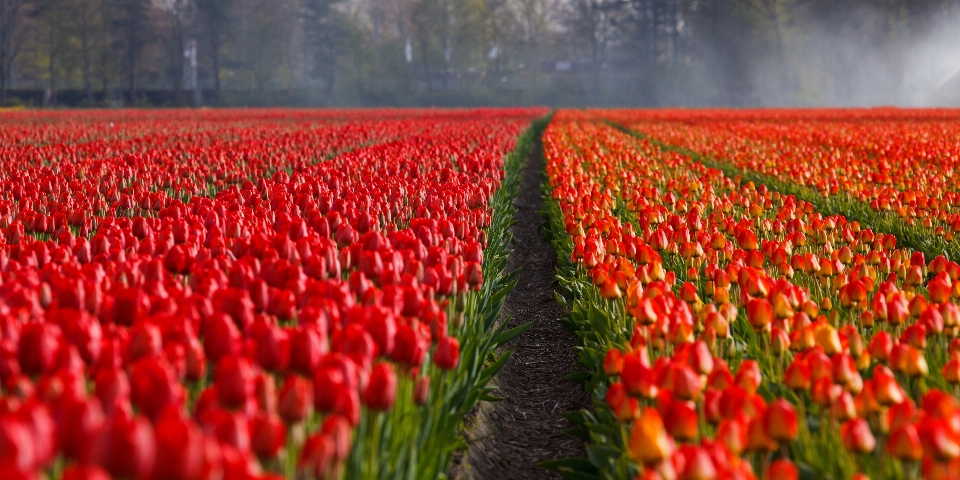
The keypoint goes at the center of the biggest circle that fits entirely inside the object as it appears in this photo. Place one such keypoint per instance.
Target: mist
(564, 53)
(864, 60)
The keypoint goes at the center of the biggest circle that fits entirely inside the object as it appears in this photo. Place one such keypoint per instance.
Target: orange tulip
(757, 438)
(649, 442)
(749, 376)
(797, 376)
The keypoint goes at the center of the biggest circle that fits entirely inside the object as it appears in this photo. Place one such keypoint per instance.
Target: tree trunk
(215, 58)
(85, 52)
(7, 25)
(52, 70)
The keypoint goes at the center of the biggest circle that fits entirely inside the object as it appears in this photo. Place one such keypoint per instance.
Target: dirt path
(510, 437)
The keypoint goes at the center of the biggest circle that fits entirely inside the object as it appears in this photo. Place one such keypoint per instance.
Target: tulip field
(250, 294)
(761, 294)
(317, 294)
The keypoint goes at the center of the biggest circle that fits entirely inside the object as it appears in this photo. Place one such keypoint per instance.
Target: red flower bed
(233, 294)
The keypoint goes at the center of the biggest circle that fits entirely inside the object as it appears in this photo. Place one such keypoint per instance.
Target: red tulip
(613, 362)
(382, 388)
(153, 386)
(410, 347)
(904, 443)
(268, 435)
(421, 390)
(329, 385)
(79, 421)
(38, 347)
(733, 434)
(235, 380)
(358, 345)
(624, 407)
(126, 446)
(749, 376)
(178, 260)
(684, 383)
(180, 446)
(447, 354)
(318, 458)
(759, 313)
(221, 338)
(383, 329)
(638, 379)
(16, 444)
(782, 470)
(856, 436)
(307, 347)
(757, 438)
(295, 400)
(273, 349)
(780, 421)
(697, 464)
(939, 440)
(681, 420)
(85, 472)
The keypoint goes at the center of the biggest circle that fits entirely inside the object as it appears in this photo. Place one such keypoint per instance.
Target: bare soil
(508, 438)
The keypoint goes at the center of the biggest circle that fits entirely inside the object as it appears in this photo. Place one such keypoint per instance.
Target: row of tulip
(330, 320)
(729, 330)
(76, 184)
(899, 168)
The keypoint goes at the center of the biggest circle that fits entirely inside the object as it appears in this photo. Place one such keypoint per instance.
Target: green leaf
(504, 337)
(598, 320)
(571, 468)
(582, 433)
(488, 397)
(489, 372)
(578, 377)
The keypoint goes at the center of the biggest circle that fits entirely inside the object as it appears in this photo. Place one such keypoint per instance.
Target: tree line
(463, 52)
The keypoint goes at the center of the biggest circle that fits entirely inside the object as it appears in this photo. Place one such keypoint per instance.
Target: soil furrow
(510, 437)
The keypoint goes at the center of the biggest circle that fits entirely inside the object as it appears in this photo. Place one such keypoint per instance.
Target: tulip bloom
(179, 449)
(624, 407)
(780, 421)
(856, 437)
(382, 388)
(904, 443)
(782, 470)
(295, 399)
(759, 313)
(649, 443)
(447, 354)
(126, 447)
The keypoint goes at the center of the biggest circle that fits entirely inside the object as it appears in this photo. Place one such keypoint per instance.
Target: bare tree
(214, 22)
(11, 35)
(175, 18)
(324, 35)
(88, 19)
(130, 26)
